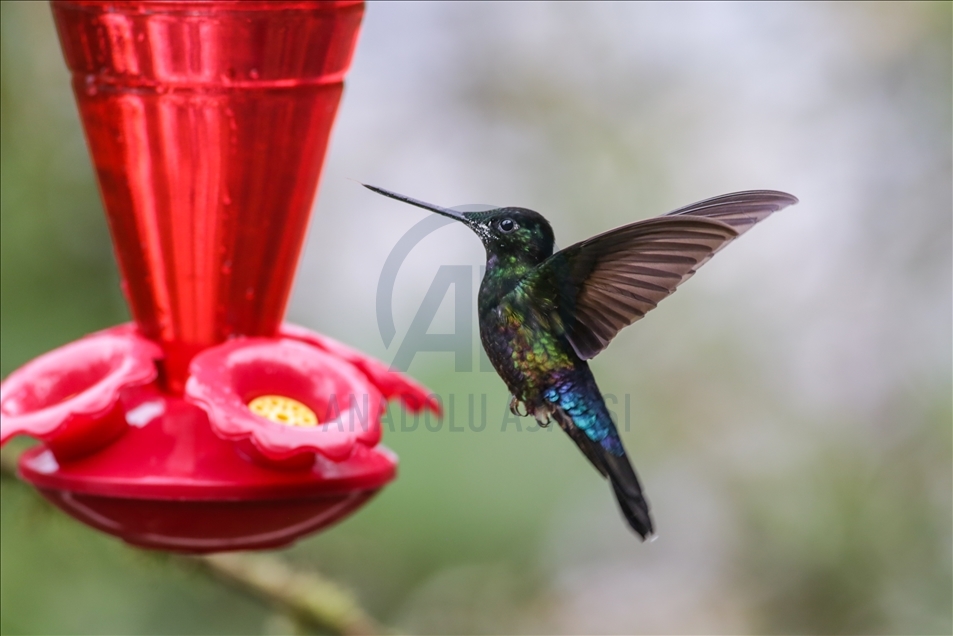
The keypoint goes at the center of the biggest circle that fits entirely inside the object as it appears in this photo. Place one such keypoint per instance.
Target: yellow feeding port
(283, 410)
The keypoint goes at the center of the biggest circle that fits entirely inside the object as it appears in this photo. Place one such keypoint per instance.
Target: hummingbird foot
(517, 405)
(542, 415)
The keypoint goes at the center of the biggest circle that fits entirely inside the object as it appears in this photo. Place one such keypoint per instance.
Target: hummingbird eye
(508, 225)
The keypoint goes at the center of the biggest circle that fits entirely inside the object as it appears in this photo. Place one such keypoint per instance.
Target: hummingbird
(543, 315)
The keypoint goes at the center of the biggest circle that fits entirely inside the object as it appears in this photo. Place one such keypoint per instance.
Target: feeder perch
(207, 424)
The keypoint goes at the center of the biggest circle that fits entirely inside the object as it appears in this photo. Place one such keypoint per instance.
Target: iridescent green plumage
(542, 315)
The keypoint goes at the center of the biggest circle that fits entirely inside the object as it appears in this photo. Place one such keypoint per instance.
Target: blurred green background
(790, 406)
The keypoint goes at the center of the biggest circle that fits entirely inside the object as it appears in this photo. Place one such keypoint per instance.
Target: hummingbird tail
(628, 492)
(614, 465)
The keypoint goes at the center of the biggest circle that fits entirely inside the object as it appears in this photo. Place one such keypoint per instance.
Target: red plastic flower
(69, 397)
(345, 407)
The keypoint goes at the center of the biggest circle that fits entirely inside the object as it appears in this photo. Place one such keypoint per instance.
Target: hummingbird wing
(605, 283)
(740, 210)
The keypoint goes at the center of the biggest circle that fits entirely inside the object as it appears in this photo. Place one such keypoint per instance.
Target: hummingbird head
(518, 232)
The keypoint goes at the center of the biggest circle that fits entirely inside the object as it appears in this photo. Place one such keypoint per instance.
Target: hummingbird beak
(453, 214)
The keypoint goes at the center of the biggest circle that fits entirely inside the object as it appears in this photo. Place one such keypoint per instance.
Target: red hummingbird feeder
(208, 424)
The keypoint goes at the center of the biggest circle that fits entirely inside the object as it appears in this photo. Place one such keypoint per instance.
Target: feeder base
(170, 483)
(207, 526)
